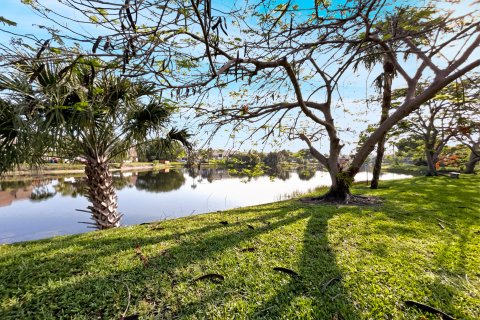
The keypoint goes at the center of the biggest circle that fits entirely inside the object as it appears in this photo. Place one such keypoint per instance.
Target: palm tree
(21, 141)
(91, 112)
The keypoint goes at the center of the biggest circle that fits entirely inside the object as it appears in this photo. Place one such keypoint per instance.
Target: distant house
(132, 155)
(221, 154)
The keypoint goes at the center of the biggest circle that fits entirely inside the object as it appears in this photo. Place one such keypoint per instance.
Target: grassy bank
(418, 170)
(422, 244)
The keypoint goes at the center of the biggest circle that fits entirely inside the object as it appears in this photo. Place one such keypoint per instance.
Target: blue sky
(354, 87)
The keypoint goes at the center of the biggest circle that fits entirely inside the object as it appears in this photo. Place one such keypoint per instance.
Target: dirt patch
(352, 200)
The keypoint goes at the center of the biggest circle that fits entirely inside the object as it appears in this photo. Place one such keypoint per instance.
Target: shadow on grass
(432, 230)
(87, 276)
(318, 291)
(91, 276)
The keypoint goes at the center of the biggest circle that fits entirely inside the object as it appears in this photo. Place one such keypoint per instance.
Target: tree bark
(377, 167)
(386, 102)
(432, 170)
(340, 189)
(472, 162)
(102, 194)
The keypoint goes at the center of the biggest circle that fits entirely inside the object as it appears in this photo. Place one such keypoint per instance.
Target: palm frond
(148, 118)
(181, 136)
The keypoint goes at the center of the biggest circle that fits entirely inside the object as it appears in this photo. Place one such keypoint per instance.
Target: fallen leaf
(214, 277)
(285, 270)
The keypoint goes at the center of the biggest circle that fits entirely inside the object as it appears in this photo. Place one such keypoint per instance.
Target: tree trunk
(432, 170)
(377, 167)
(102, 195)
(470, 165)
(474, 157)
(340, 188)
(339, 192)
(386, 102)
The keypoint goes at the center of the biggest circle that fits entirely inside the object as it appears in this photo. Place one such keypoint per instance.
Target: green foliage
(7, 22)
(21, 139)
(411, 147)
(345, 178)
(306, 173)
(249, 172)
(87, 109)
(157, 149)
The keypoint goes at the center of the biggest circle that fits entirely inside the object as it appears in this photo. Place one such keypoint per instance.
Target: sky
(354, 87)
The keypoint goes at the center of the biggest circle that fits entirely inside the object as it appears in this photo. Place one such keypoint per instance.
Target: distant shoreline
(61, 169)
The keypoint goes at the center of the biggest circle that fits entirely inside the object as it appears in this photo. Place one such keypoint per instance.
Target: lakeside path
(341, 262)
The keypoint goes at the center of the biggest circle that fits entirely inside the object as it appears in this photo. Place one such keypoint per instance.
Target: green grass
(418, 170)
(383, 255)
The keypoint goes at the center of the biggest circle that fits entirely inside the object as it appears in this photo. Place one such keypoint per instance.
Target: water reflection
(40, 208)
(159, 181)
(42, 192)
(305, 173)
(279, 172)
(34, 190)
(71, 187)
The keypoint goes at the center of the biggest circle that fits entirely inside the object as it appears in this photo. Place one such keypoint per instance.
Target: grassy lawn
(422, 244)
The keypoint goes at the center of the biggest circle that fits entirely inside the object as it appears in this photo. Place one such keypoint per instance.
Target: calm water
(42, 208)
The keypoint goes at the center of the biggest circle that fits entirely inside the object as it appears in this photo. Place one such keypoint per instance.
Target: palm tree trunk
(102, 195)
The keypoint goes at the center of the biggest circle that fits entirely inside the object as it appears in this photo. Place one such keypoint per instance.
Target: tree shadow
(92, 275)
(436, 241)
(64, 278)
(317, 292)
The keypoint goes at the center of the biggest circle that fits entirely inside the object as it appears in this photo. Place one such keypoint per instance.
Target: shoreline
(46, 171)
(78, 169)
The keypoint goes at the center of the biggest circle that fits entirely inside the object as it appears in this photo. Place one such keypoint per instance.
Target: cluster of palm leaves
(80, 109)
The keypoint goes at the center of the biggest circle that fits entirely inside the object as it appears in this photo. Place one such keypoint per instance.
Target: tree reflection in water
(34, 190)
(159, 181)
(306, 173)
(150, 181)
(278, 172)
(71, 187)
(41, 191)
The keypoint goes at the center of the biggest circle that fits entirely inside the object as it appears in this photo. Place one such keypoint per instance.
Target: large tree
(468, 134)
(283, 58)
(279, 68)
(89, 112)
(447, 115)
(381, 55)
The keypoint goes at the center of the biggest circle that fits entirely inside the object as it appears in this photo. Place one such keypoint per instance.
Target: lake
(39, 208)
